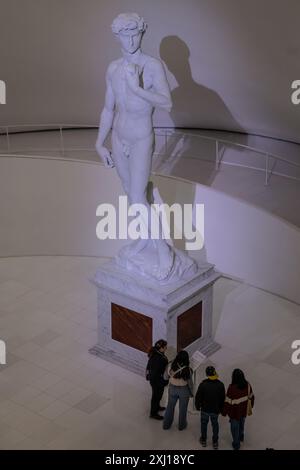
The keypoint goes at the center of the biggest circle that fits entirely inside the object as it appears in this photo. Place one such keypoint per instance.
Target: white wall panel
(48, 207)
(230, 62)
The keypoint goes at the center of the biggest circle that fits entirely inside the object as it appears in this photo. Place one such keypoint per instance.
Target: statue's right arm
(106, 120)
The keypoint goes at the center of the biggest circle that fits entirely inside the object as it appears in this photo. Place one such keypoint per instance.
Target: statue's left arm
(159, 95)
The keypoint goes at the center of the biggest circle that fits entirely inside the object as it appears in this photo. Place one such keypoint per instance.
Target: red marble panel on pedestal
(189, 326)
(131, 328)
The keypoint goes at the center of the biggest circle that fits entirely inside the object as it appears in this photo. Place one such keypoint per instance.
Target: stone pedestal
(133, 313)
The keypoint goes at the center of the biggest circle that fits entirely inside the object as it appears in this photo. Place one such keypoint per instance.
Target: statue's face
(130, 40)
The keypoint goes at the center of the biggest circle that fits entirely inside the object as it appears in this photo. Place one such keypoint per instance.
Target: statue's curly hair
(128, 21)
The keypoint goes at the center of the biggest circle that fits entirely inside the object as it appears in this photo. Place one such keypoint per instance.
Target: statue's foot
(161, 274)
(138, 246)
(132, 250)
(157, 261)
(166, 261)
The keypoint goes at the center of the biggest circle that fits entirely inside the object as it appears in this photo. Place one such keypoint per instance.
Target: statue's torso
(133, 117)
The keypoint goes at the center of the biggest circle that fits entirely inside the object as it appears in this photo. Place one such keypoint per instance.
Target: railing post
(267, 170)
(62, 147)
(7, 139)
(217, 155)
(166, 142)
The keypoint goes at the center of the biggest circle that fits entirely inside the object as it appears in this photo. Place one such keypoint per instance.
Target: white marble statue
(136, 84)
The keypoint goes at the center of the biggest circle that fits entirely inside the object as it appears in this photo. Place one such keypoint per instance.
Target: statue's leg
(140, 169)
(121, 162)
(121, 157)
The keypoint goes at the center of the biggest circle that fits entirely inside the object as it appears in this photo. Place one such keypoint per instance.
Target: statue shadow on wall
(186, 157)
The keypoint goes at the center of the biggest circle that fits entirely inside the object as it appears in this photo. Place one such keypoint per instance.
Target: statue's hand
(132, 76)
(105, 156)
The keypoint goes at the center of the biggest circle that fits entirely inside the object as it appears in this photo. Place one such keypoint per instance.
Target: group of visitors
(210, 398)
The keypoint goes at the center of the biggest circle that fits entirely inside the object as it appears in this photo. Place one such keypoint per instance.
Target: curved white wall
(48, 207)
(230, 63)
(242, 240)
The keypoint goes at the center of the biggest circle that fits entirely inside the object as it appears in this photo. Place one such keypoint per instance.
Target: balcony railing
(220, 145)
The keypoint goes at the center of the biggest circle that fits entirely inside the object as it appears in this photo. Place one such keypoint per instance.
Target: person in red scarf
(238, 405)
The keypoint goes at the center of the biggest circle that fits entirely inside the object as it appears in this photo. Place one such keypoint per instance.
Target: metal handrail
(166, 133)
(248, 147)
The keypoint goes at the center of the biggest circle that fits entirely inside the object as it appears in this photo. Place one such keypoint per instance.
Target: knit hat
(211, 372)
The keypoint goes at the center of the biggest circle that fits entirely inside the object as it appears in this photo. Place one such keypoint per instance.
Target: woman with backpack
(179, 389)
(155, 370)
(238, 405)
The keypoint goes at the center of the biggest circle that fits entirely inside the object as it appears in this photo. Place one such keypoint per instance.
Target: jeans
(214, 422)
(183, 395)
(157, 393)
(237, 431)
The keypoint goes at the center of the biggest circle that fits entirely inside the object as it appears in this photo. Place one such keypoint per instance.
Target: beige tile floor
(55, 395)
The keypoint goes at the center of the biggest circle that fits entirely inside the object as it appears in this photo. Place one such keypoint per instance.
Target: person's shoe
(161, 408)
(215, 445)
(202, 442)
(181, 428)
(157, 416)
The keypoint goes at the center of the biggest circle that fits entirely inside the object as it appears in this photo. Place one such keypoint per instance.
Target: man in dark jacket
(156, 367)
(210, 399)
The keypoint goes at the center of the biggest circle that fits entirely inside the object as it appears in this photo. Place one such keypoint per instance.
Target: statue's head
(129, 29)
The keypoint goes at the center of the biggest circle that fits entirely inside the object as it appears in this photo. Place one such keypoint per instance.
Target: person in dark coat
(238, 405)
(210, 399)
(155, 370)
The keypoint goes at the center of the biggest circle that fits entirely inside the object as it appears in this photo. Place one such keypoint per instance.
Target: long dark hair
(238, 379)
(161, 343)
(181, 360)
